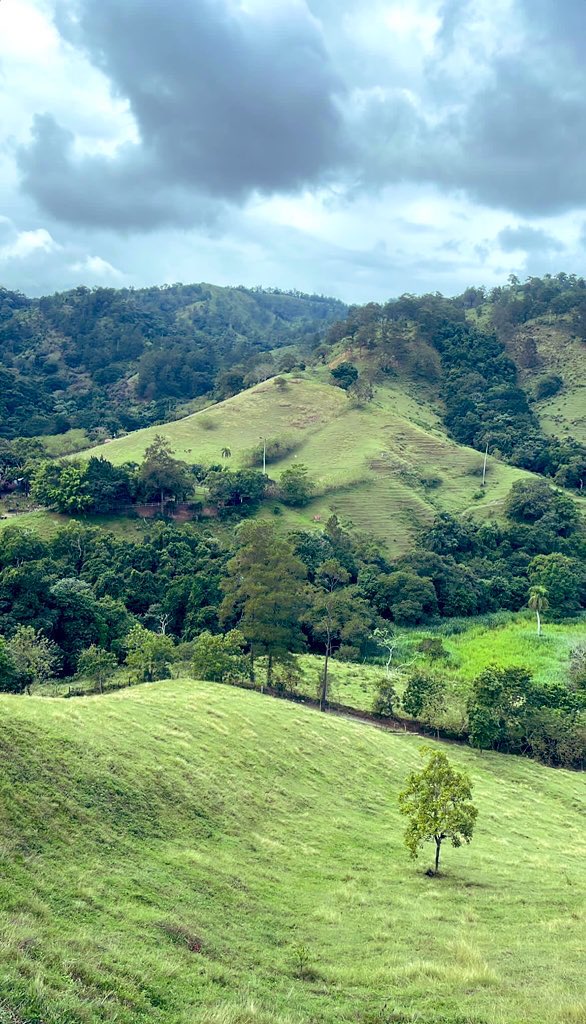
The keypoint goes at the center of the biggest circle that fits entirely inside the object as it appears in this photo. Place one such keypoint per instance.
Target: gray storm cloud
(230, 100)
(226, 102)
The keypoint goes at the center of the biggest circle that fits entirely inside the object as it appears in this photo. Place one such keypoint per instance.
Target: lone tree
(538, 603)
(438, 804)
(97, 665)
(160, 473)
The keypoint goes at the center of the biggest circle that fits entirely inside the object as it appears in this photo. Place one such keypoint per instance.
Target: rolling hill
(184, 852)
(385, 468)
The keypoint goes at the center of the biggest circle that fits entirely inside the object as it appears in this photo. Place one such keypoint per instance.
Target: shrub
(385, 699)
(432, 647)
(548, 385)
(424, 697)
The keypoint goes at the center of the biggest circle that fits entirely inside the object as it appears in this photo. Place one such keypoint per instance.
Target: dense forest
(122, 359)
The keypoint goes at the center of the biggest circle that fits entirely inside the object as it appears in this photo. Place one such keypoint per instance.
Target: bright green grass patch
(479, 645)
(168, 849)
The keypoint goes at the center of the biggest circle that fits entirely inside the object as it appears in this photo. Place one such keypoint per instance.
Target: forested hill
(509, 366)
(124, 358)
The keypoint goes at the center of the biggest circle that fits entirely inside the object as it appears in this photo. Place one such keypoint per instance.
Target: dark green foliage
(239, 491)
(345, 375)
(508, 711)
(264, 593)
(548, 385)
(161, 476)
(385, 699)
(424, 696)
(177, 342)
(563, 579)
(295, 486)
(432, 647)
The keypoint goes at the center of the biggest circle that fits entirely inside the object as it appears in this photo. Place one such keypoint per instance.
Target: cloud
(20, 245)
(228, 100)
(96, 267)
(528, 239)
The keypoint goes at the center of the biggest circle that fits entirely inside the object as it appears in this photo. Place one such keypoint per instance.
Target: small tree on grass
(97, 665)
(424, 697)
(438, 803)
(34, 657)
(220, 657)
(149, 653)
(385, 698)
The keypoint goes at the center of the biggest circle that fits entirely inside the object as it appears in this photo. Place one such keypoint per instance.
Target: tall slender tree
(538, 603)
(265, 593)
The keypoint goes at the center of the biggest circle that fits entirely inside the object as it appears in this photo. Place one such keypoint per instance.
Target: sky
(355, 148)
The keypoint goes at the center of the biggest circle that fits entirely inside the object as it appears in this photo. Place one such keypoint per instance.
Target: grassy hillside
(385, 468)
(557, 350)
(176, 852)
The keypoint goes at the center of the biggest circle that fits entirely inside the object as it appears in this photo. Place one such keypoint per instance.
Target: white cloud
(28, 243)
(96, 267)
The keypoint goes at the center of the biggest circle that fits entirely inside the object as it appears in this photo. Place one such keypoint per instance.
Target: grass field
(185, 852)
(385, 468)
(469, 652)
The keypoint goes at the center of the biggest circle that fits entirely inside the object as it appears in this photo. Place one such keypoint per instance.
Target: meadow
(184, 852)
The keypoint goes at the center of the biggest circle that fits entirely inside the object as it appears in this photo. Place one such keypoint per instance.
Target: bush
(432, 647)
(424, 697)
(431, 481)
(273, 449)
(548, 385)
(385, 699)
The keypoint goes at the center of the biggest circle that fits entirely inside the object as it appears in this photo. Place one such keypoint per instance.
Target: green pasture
(184, 852)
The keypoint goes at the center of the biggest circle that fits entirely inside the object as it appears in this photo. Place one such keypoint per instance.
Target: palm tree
(538, 603)
(226, 453)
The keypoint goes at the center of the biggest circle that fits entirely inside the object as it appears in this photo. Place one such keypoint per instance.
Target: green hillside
(556, 350)
(385, 468)
(186, 852)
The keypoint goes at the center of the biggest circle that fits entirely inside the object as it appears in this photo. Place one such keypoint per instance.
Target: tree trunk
(538, 623)
(252, 664)
(438, 844)
(270, 669)
(323, 697)
(162, 502)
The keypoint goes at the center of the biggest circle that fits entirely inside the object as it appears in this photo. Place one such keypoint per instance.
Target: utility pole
(484, 465)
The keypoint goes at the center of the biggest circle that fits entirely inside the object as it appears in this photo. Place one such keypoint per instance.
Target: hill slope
(386, 467)
(183, 852)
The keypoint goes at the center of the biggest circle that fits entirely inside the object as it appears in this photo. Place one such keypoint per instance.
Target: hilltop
(184, 851)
